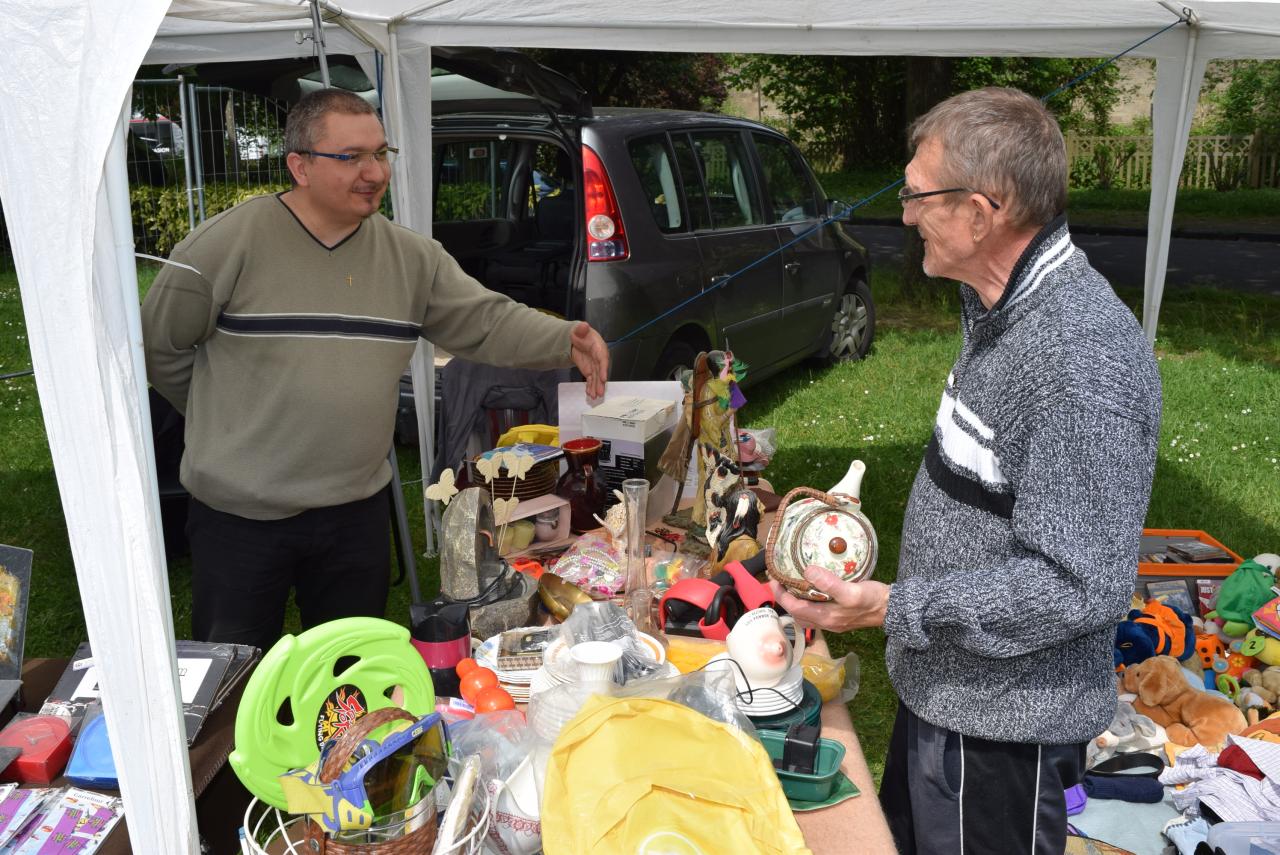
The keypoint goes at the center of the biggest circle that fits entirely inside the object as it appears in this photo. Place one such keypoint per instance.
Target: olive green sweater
(285, 356)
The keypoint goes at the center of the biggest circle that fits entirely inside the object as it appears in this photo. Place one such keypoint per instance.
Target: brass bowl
(559, 596)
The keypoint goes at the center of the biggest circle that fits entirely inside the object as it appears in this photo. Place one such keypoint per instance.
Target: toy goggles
(381, 777)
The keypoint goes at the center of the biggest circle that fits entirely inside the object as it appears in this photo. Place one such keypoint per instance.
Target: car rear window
(652, 162)
(691, 178)
(472, 179)
(790, 192)
(727, 176)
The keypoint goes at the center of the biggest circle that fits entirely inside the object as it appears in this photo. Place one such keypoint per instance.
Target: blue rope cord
(851, 207)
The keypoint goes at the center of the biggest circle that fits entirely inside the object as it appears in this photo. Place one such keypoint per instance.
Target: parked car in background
(669, 232)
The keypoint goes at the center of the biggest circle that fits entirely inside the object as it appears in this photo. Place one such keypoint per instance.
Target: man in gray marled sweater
(1020, 540)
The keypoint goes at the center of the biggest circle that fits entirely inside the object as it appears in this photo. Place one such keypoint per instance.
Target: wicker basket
(408, 832)
(267, 831)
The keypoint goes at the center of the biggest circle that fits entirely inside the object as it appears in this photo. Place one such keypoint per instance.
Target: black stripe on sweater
(327, 325)
(962, 489)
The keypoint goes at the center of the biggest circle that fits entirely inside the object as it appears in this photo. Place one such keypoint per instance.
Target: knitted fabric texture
(1020, 539)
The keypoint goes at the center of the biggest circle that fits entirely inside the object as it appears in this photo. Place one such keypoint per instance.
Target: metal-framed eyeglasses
(904, 197)
(356, 159)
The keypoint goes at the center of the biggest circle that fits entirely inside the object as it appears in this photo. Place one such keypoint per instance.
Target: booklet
(201, 669)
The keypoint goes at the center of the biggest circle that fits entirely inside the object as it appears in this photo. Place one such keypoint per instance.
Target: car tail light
(606, 238)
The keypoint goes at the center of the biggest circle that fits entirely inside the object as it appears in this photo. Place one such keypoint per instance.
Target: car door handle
(792, 266)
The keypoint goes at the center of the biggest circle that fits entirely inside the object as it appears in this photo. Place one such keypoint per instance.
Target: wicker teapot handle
(807, 492)
(355, 734)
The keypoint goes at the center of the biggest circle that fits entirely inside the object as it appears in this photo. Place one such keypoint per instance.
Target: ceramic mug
(761, 648)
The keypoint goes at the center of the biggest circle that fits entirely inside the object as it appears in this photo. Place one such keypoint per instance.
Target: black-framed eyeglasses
(904, 197)
(381, 157)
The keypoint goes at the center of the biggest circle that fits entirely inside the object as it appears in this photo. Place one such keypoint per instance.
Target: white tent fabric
(66, 67)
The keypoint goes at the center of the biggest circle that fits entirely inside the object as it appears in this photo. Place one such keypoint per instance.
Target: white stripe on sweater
(962, 449)
(1035, 283)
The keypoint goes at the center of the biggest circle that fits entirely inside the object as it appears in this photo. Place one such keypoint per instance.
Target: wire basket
(268, 831)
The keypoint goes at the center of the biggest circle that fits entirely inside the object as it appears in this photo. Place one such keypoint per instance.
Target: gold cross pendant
(348, 280)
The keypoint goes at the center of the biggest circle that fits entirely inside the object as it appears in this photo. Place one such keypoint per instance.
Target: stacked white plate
(762, 702)
(515, 682)
(558, 667)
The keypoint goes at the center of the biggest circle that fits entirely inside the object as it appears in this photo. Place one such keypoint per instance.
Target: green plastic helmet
(309, 687)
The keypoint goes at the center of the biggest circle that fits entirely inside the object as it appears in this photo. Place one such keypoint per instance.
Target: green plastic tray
(815, 787)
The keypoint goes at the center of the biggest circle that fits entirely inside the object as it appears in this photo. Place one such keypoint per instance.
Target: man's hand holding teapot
(854, 605)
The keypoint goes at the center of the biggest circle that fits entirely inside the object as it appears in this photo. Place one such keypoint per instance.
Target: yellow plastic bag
(648, 776)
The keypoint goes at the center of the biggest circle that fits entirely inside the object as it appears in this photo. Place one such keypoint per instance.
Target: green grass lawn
(1218, 466)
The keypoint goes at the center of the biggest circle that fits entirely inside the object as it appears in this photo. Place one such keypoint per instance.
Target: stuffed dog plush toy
(1188, 715)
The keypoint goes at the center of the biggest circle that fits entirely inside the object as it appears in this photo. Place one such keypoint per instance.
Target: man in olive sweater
(280, 329)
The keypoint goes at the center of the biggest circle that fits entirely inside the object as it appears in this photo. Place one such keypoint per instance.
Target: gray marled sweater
(1020, 542)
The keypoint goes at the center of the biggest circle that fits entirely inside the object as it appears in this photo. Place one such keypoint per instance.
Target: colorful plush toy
(1260, 646)
(1246, 590)
(1155, 630)
(1188, 715)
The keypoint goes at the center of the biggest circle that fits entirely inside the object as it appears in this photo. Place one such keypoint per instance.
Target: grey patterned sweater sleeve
(1076, 524)
(1020, 539)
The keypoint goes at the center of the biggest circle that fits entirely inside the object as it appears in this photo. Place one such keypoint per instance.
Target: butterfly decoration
(442, 490)
(517, 463)
(502, 510)
(488, 467)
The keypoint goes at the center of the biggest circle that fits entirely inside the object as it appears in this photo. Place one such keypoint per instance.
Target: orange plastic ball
(493, 699)
(477, 679)
(465, 666)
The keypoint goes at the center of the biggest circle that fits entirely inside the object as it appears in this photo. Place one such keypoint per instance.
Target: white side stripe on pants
(961, 735)
(1035, 805)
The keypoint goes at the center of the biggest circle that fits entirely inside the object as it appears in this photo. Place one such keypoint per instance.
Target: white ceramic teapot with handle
(761, 648)
(823, 529)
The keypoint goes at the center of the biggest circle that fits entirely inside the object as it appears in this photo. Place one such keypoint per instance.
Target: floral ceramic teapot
(823, 529)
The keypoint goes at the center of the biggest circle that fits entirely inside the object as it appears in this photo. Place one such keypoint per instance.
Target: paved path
(1237, 264)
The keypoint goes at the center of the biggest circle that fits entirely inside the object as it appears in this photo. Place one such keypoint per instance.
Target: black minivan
(669, 232)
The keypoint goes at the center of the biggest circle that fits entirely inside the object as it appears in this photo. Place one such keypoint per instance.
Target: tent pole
(422, 365)
(1164, 196)
(186, 151)
(317, 38)
(147, 738)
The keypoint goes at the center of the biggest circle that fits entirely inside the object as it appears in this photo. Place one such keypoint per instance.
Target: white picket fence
(1129, 160)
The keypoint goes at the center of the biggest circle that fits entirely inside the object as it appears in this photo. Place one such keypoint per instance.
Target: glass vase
(635, 497)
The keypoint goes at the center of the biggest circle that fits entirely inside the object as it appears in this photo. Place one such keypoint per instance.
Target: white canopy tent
(67, 65)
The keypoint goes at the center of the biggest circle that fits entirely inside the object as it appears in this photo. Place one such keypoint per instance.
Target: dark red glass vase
(583, 485)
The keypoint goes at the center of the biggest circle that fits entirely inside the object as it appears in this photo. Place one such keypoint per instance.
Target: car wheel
(677, 356)
(853, 325)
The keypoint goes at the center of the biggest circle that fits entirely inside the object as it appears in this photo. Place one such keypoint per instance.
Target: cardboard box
(630, 419)
(621, 459)
(529, 508)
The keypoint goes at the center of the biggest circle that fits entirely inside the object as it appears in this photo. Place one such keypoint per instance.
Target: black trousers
(950, 794)
(338, 559)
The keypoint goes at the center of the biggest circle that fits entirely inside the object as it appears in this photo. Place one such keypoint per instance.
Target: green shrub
(461, 202)
(160, 213)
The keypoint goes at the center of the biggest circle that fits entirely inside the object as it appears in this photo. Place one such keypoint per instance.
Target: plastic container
(799, 786)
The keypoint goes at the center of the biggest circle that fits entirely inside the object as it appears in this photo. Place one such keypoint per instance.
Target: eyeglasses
(357, 159)
(904, 197)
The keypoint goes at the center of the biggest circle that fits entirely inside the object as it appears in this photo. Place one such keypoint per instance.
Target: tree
(857, 104)
(1245, 99)
(929, 81)
(676, 81)
(851, 104)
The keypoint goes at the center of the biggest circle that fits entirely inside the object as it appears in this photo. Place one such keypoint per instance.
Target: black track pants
(948, 794)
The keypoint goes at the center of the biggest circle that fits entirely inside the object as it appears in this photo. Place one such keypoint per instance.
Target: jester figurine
(711, 397)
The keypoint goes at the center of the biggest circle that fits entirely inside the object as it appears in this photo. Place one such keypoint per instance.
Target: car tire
(676, 356)
(853, 324)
